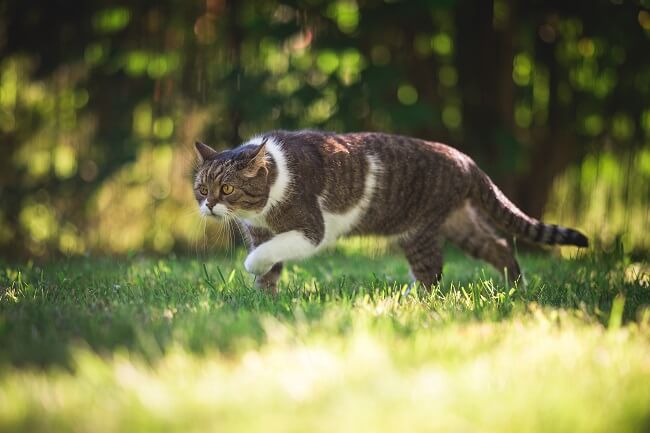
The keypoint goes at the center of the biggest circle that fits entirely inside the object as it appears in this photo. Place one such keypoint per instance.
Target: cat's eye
(203, 190)
(227, 189)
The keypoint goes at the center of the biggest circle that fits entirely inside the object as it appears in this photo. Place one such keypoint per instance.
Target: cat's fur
(297, 192)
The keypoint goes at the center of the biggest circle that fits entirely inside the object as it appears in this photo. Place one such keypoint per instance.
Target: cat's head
(231, 182)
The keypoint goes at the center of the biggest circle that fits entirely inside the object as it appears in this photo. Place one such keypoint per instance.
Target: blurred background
(101, 100)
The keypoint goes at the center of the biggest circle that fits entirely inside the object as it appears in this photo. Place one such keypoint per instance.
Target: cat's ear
(258, 161)
(204, 152)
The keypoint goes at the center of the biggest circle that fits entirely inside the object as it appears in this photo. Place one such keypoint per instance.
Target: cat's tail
(511, 219)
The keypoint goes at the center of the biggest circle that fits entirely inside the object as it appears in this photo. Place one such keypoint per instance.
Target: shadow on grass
(147, 306)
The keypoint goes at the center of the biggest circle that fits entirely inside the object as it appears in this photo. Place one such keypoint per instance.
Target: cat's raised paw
(257, 265)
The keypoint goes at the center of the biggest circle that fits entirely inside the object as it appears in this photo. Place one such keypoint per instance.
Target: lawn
(186, 344)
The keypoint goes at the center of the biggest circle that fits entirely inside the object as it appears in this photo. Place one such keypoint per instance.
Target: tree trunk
(234, 47)
(484, 59)
(555, 147)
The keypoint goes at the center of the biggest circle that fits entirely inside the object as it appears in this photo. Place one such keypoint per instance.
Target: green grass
(186, 344)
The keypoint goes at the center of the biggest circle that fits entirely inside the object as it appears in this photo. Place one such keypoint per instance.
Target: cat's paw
(256, 264)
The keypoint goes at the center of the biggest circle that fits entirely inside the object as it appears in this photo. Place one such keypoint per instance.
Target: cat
(297, 192)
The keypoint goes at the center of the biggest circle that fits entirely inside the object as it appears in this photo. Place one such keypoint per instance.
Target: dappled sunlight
(100, 140)
(188, 344)
(608, 197)
(367, 382)
(123, 309)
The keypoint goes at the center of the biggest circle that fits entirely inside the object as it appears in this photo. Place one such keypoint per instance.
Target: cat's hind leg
(423, 250)
(472, 232)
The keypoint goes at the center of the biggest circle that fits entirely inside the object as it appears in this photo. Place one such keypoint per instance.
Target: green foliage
(111, 20)
(188, 345)
(92, 103)
(607, 194)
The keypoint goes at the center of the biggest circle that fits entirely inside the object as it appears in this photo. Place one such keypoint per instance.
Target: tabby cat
(297, 192)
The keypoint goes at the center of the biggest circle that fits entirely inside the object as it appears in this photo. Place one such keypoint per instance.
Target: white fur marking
(337, 225)
(282, 181)
(292, 245)
(204, 210)
(217, 210)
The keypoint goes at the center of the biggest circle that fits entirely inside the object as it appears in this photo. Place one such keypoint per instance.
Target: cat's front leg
(269, 281)
(256, 236)
(291, 245)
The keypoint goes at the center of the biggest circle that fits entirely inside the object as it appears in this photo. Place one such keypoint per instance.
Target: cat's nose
(210, 204)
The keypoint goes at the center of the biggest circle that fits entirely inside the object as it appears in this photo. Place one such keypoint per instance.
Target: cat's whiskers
(224, 230)
(231, 221)
(193, 212)
(229, 246)
(219, 232)
(322, 186)
(190, 212)
(205, 227)
(237, 223)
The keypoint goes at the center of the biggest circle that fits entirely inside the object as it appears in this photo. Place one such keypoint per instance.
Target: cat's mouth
(217, 215)
(217, 211)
